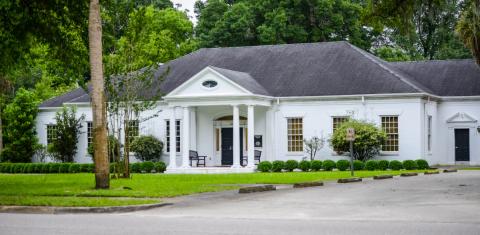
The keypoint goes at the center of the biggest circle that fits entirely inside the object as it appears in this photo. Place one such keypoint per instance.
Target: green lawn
(77, 189)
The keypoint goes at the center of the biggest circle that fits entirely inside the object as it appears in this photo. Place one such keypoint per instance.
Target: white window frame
(390, 134)
(295, 148)
(178, 136)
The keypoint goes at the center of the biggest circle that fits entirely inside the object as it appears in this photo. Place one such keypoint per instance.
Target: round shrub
(395, 165)
(277, 166)
(74, 168)
(136, 167)
(291, 165)
(160, 167)
(54, 168)
(64, 167)
(410, 165)
(316, 165)
(382, 165)
(328, 165)
(147, 148)
(358, 165)
(147, 166)
(371, 165)
(264, 166)
(343, 165)
(422, 164)
(304, 165)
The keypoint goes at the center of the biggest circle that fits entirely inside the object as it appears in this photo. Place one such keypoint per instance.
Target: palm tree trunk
(102, 168)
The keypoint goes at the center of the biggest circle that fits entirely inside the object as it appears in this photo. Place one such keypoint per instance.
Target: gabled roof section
(444, 77)
(243, 79)
(77, 95)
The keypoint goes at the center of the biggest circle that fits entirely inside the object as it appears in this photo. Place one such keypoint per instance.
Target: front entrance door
(462, 145)
(227, 145)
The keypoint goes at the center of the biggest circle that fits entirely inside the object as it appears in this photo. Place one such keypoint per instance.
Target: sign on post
(350, 134)
(351, 137)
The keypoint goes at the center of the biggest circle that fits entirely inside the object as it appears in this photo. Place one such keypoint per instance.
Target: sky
(187, 4)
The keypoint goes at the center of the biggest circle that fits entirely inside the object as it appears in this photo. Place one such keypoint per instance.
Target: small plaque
(257, 139)
(350, 134)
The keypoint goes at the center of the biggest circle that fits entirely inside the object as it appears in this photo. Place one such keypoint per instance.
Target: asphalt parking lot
(424, 204)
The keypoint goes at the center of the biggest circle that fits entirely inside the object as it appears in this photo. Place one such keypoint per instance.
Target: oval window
(209, 83)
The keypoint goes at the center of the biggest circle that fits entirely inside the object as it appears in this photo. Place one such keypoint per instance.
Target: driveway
(426, 204)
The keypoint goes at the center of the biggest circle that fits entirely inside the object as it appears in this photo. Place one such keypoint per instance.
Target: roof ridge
(428, 61)
(277, 45)
(388, 69)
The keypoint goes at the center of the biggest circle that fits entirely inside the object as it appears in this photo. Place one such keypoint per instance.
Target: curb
(431, 172)
(349, 180)
(256, 189)
(382, 177)
(449, 170)
(75, 210)
(308, 184)
(408, 174)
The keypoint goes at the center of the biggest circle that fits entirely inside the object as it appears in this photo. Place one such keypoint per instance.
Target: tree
(368, 139)
(5, 91)
(313, 145)
(68, 127)
(424, 29)
(20, 135)
(249, 22)
(392, 54)
(97, 95)
(468, 28)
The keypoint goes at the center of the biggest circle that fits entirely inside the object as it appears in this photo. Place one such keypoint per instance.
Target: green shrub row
(341, 165)
(45, 168)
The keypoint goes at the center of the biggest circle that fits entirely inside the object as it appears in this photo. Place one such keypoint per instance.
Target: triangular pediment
(208, 82)
(461, 117)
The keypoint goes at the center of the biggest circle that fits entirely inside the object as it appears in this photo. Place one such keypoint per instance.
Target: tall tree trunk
(1, 131)
(102, 168)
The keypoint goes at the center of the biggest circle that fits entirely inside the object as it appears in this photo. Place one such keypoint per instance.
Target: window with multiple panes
(390, 126)
(51, 133)
(177, 132)
(295, 134)
(89, 133)
(133, 130)
(336, 121)
(429, 133)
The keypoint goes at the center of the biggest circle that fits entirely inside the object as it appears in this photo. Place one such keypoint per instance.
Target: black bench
(256, 157)
(193, 156)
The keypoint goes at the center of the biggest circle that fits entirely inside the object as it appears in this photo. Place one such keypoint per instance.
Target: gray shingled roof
(243, 79)
(313, 69)
(445, 77)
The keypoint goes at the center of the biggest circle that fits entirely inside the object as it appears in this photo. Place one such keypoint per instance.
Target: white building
(228, 102)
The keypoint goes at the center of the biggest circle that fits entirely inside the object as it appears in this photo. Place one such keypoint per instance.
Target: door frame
(218, 154)
(456, 144)
(451, 160)
(242, 144)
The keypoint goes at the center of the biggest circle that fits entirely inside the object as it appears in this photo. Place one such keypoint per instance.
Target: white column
(173, 141)
(236, 137)
(251, 131)
(186, 138)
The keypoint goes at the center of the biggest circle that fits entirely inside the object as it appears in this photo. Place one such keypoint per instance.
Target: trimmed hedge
(422, 164)
(55, 168)
(358, 165)
(383, 165)
(277, 166)
(395, 165)
(410, 165)
(328, 165)
(291, 165)
(343, 165)
(264, 166)
(371, 165)
(316, 165)
(305, 165)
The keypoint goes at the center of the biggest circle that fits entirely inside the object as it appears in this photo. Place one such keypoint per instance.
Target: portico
(204, 111)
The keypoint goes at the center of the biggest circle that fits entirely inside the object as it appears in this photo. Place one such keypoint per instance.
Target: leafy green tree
(20, 135)
(468, 28)
(249, 22)
(68, 128)
(392, 54)
(368, 139)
